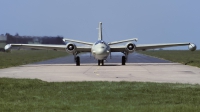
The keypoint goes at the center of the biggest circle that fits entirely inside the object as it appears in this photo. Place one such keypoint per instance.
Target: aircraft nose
(100, 51)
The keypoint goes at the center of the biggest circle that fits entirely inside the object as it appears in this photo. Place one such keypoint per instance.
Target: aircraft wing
(83, 48)
(36, 46)
(122, 48)
(155, 46)
(117, 48)
(47, 47)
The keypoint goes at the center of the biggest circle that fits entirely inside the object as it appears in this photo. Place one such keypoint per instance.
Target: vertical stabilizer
(100, 31)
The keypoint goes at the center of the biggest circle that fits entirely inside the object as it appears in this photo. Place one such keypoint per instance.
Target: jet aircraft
(100, 49)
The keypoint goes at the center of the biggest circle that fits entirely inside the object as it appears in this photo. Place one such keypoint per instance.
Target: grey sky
(151, 21)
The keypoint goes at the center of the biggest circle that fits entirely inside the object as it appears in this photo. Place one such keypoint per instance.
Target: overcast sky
(151, 21)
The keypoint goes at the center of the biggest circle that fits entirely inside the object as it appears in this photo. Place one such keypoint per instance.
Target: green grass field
(24, 95)
(180, 56)
(20, 57)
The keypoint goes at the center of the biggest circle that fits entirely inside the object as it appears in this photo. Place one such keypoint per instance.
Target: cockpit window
(100, 41)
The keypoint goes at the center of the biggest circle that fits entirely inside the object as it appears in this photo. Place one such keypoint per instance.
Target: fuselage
(100, 50)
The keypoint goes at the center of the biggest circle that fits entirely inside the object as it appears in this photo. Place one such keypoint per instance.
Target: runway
(115, 58)
(139, 68)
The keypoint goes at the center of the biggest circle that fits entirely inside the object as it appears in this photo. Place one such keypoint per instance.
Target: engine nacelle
(192, 47)
(71, 48)
(130, 47)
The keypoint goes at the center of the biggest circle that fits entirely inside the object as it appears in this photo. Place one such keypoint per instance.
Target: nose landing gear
(100, 62)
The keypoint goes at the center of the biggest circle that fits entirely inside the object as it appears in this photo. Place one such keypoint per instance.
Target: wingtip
(7, 47)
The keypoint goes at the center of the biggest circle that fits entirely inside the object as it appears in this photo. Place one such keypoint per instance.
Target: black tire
(99, 62)
(77, 61)
(102, 62)
(123, 60)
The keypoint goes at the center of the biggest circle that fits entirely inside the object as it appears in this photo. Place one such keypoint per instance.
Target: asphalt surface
(138, 68)
(115, 58)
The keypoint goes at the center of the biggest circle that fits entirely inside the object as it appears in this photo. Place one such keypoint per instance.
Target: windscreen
(100, 41)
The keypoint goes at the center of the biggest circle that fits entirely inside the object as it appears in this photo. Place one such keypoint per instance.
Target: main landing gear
(101, 62)
(123, 60)
(77, 59)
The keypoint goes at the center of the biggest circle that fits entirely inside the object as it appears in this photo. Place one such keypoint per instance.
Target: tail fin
(100, 31)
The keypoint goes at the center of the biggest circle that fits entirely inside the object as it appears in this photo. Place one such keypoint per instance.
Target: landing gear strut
(123, 60)
(101, 62)
(77, 59)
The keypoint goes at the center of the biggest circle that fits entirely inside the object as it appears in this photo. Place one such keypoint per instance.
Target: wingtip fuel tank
(192, 47)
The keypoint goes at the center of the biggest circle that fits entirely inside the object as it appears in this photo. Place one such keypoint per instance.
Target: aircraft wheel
(99, 62)
(123, 60)
(102, 62)
(77, 61)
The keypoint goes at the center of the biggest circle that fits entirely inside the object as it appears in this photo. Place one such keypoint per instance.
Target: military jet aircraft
(100, 49)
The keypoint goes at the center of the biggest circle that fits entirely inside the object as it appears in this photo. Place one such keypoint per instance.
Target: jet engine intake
(130, 47)
(71, 48)
(192, 47)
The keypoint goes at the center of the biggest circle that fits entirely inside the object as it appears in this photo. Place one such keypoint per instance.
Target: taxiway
(139, 68)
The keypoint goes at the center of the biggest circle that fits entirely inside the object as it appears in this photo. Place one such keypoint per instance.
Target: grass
(180, 56)
(20, 57)
(22, 95)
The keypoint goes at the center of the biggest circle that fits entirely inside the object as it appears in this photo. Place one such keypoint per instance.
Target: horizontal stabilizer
(122, 41)
(76, 41)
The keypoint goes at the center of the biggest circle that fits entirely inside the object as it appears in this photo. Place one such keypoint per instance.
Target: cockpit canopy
(100, 41)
